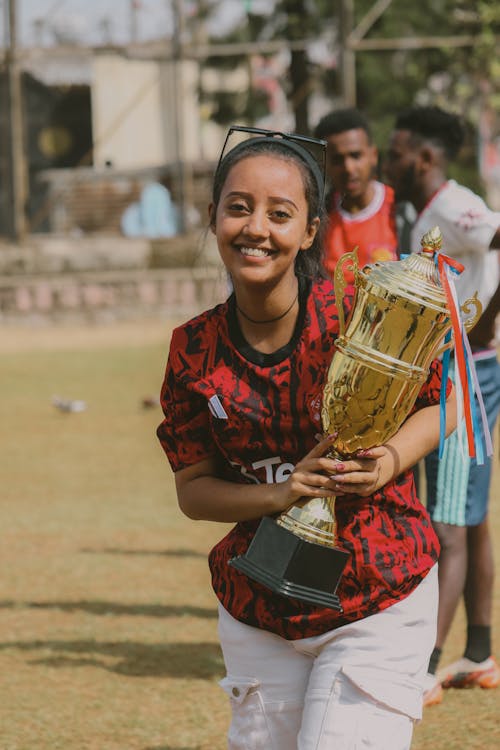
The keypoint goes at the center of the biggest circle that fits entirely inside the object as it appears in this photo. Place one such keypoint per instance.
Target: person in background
(240, 430)
(423, 143)
(361, 209)
(362, 212)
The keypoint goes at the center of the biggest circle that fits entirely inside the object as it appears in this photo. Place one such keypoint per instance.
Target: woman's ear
(311, 231)
(211, 217)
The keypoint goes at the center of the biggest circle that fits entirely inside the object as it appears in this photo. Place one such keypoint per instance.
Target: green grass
(107, 620)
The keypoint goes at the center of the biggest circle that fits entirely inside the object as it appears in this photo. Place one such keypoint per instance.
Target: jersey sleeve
(184, 433)
(431, 390)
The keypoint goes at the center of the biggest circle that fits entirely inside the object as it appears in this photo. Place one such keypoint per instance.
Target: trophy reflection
(397, 326)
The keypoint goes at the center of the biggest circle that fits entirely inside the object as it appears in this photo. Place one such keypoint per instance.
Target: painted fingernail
(340, 466)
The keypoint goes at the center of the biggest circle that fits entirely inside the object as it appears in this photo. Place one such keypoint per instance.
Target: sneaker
(433, 692)
(466, 673)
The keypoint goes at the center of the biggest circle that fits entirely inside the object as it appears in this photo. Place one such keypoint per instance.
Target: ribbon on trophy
(466, 380)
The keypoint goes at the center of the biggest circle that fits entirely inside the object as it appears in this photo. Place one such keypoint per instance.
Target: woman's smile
(255, 252)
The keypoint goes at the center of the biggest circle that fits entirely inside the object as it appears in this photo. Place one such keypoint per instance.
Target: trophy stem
(313, 519)
(297, 554)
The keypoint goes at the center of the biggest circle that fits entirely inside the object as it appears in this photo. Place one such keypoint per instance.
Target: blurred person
(361, 208)
(423, 143)
(240, 430)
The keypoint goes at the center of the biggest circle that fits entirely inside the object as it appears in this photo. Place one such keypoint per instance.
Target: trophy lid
(416, 276)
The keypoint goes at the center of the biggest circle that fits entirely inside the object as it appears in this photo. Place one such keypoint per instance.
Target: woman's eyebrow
(273, 198)
(279, 199)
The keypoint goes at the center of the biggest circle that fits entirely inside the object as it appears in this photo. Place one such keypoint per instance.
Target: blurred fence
(103, 277)
(89, 200)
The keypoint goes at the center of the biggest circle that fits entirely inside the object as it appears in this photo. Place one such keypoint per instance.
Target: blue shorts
(457, 488)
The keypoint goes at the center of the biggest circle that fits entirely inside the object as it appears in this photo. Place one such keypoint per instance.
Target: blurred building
(101, 123)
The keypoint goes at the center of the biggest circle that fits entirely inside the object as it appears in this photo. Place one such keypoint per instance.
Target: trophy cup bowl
(396, 328)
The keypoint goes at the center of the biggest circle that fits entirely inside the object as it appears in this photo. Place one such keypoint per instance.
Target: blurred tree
(293, 20)
(464, 78)
(409, 60)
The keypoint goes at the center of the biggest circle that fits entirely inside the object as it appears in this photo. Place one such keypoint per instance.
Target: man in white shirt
(423, 142)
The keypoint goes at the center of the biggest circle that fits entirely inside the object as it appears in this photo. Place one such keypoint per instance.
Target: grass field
(107, 620)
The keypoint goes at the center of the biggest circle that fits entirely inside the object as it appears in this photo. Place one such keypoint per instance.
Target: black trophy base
(294, 567)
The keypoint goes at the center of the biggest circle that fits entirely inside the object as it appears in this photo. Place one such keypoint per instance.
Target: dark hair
(309, 262)
(341, 120)
(434, 124)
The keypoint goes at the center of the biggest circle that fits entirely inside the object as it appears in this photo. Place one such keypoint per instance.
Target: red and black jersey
(258, 415)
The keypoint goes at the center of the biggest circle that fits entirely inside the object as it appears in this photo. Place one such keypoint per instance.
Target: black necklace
(271, 320)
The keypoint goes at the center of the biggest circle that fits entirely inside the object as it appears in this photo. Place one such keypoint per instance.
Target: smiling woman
(261, 225)
(241, 400)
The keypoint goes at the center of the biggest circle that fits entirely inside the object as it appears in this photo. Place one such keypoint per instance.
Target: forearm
(203, 496)
(208, 498)
(418, 436)
(493, 307)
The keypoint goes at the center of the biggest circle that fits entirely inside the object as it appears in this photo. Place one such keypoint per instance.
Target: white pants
(358, 687)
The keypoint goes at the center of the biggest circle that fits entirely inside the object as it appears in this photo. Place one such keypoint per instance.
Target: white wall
(135, 123)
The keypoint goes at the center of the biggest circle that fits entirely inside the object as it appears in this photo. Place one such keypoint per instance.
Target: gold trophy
(397, 326)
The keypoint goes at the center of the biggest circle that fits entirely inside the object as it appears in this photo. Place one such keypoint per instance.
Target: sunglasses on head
(314, 147)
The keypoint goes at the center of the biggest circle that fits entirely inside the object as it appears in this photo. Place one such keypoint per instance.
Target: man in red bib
(361, 209)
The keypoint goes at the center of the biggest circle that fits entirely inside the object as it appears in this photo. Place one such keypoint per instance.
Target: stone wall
(103, 278)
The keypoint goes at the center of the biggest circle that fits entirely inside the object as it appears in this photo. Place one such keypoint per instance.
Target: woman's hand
(203, 496)
(317, 475)
(363, 474)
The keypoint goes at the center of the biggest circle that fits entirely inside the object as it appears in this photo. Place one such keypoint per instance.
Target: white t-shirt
(467, 226)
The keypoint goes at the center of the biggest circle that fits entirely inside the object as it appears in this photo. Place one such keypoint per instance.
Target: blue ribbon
(442, 396)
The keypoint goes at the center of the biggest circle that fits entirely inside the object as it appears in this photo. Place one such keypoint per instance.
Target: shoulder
(459, 198)
(193, 339)
(454, 188)
(463, 217)
(322, 304)
(203, 322)
(322, 292)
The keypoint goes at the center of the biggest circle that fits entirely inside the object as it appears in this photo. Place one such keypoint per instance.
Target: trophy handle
(349, 260)
(470, 322)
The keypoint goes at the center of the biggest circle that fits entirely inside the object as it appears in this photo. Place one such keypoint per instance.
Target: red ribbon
(443, 261)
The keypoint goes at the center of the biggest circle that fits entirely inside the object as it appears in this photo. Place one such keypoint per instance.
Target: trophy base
(292, 566)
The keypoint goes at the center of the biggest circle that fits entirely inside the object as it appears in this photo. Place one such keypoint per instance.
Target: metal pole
(134, 21)
(369, 19)
(347, 54)
(178, 40)
(5, 39)
(16, 127)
